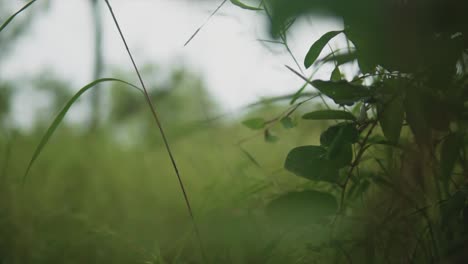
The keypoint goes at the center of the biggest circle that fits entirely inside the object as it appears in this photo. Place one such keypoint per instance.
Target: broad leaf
(342, 92)
(328, 115)
(302, 207)
(254, 123)
(345, 131)
(317, 47)
(244, 6)
(15, 14)
(340, 153)
(50, 131)
(391, 111)
(310, 162)
(340, 150)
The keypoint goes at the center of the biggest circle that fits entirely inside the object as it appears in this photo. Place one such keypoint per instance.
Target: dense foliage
(399, 141)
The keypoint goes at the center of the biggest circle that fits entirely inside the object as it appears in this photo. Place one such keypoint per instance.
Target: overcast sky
(235, 66)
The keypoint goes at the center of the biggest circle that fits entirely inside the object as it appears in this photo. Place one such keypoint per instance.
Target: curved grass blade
(318, 46)
(15, 14)
(58, 119)
(244, 6)
(329, 114)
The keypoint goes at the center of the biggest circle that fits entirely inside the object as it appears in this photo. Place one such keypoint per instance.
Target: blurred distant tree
(17, 29)
(5, 94)
(8, 39)
(96, 97)
(182, 101)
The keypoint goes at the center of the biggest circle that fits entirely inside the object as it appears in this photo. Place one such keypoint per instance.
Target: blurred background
(72, 38)
(103, 190)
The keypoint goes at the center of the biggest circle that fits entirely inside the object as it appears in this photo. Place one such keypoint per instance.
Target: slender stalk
(161, 130)
(204, 23)
(355, 163)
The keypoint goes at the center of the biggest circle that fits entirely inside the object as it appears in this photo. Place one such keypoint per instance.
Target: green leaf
(340, 59)
(345, 131)
(317, 47)
(342, 92)
(15, 14)
(244, 6)
(340, 150)
(287, 122)
(254, 123)
(340, 153)
(449, 154)
(302, 207)
(336, 74)
(310, 162)
(329, 114)
(391, 112)
(416, 117)
(58, 119)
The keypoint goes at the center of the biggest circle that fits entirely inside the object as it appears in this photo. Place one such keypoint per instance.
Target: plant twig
(270, 123)
(161, 130)
(355, 163)
(204, 23)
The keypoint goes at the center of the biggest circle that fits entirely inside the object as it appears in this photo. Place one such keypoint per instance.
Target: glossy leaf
(346, 131)
(245, 6)
(14, 15)
(342, 92)
(303, 207)
(391, 112)
(254, 123)
(317, 47)
(310, 162)
(340, 150)
(50, 131)
(340, 153)
(329, 115)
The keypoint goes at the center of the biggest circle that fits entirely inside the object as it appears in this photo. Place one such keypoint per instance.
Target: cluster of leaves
(411, 57)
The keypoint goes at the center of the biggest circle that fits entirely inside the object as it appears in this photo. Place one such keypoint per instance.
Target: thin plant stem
(161, 130)
(204, 23)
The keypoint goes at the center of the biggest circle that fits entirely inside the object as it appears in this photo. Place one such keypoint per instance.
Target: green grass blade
(318, 46)
(58, 119)
(244, 6)
(15, 14)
